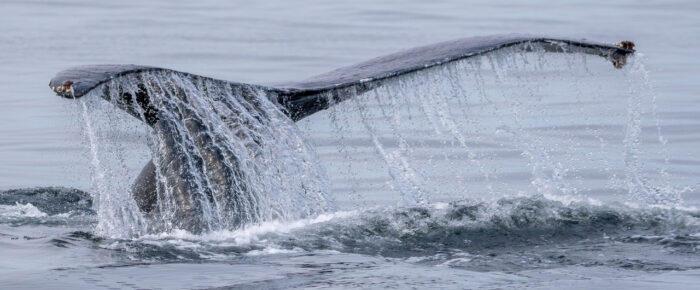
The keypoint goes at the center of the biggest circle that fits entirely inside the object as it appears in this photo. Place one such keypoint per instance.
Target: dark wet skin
(298, 99)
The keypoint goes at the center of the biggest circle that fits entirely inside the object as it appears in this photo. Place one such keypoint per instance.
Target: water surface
(530, 182)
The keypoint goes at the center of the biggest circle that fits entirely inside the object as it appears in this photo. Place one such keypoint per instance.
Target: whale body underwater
(296, 100)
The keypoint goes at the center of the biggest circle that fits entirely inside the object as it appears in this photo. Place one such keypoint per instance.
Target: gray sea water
(510, 170)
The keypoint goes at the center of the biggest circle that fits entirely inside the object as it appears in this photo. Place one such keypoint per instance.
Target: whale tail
(303, 98)
(206, 178)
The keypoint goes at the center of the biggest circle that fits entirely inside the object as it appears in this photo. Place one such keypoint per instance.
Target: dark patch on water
(60, 243)
(85, 236)
(50, 200)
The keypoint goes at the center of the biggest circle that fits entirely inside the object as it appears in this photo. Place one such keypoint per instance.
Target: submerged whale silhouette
(297, 100)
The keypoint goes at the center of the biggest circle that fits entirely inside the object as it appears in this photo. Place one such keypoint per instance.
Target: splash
(225, 157)
(510, 233)
(46, 206)
(509, 123)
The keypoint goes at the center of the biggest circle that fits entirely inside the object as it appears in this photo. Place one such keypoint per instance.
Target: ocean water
(509, 170)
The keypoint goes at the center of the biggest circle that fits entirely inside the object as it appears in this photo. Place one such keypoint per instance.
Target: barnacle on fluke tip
(620, 59)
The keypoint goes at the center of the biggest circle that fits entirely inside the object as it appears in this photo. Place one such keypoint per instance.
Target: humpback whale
(154, 100)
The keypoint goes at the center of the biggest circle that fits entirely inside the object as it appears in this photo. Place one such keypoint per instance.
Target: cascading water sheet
(505, 124)
(225, 157)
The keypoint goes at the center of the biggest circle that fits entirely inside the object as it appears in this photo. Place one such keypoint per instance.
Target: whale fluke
(300, 99)
(171, 103)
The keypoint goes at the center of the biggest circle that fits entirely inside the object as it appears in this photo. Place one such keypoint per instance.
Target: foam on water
(49, 200)
(46, 207)
(20, 210)
(513, 233)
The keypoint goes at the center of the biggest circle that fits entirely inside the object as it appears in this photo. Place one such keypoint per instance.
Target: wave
(505, 234)
(510, 233)
(45, 205)
(50, 200)
(483, 227)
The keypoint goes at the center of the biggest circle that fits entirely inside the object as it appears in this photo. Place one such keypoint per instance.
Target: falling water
(116, 210)
(225, 157)
(563, 126)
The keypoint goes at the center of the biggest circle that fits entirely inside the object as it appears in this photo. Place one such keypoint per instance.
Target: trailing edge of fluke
(303, 98)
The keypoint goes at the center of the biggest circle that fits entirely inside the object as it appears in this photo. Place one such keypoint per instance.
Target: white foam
(248, 235)
(21, 210)
(272, 251)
